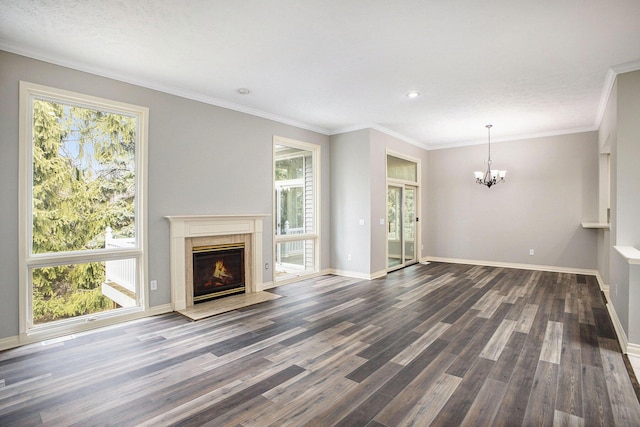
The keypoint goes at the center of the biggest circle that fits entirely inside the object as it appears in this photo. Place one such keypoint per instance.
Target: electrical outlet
(266, 265)
(381, 221)
(154, 285)
(532, 252)
(361, 221)
(349, 257)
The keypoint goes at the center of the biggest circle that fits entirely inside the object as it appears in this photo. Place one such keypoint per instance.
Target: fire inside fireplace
(218, 270)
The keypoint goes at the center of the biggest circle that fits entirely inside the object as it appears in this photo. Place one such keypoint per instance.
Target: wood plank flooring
(222, 305)
(438, 344)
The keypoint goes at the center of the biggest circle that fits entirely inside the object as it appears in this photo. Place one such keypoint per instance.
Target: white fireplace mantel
(182, 227)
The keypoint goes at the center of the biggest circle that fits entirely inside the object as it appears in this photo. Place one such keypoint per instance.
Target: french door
(401, 225)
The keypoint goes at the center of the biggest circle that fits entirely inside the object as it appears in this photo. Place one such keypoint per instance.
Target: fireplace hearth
(218, 270)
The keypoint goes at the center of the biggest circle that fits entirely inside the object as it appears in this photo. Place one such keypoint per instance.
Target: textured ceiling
(530, 67)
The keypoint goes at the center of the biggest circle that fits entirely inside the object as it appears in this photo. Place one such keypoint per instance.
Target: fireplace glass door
(217, 271)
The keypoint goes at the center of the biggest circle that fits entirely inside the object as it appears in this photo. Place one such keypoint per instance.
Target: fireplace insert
(218, 270)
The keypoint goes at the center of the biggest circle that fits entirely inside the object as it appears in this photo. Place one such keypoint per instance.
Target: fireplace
(218, 270)
(191, 231)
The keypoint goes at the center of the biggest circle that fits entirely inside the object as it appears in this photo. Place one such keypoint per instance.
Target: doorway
(401, 225)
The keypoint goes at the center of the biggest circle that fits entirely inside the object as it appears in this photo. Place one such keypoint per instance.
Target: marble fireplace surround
(187, 231)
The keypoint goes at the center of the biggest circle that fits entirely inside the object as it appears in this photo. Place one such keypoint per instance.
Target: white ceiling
(529, 67)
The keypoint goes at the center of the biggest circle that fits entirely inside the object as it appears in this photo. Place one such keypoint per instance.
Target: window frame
(313, 236)
(28, 260)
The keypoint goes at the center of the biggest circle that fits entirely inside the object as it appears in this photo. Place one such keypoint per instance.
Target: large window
(82, 210)
(295, 201)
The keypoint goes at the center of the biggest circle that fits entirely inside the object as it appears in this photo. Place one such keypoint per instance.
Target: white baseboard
(622, 336)
(158, 309)
(625, 345)
(633, 349)
(264, 285)
(358, 275)
(603, 287)
(551, 268)
(59, 331)
(9, 342)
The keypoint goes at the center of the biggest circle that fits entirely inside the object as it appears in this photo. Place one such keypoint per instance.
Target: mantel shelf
(600, 225)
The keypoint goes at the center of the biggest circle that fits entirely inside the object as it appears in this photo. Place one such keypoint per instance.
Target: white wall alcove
(184, 229)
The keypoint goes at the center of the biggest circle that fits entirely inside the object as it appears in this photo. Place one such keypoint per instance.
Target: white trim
(358, 275)
(27, 260)
(603, 287)
(609, 81)
(403, 184)
(266, 285)
(63, 330)
(596, 225)
(613, 315)
(17, 341)
(381, 129)
(551, 268)
(617, 326)
(514, 138)
(9, 342)
(295, 279)
(633, 349)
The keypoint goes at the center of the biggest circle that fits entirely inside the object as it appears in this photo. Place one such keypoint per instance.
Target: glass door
(394, 226)
(401, 225)
(409, 225)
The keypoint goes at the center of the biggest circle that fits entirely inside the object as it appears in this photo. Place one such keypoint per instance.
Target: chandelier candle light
(491, 176)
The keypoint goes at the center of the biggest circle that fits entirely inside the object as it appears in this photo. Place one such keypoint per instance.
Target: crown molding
(515, 137)
(612, 73)
(171, 90)
(380, 129)
(608, 87)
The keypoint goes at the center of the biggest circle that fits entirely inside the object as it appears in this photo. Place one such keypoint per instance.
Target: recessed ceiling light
(413, 94)
(244, 91)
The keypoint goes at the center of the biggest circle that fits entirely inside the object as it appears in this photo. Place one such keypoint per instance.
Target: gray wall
(202, 160)
(551, 188)
(358, 191)
(606, 134)
(628, 160)
(350, 201)
(621, 120)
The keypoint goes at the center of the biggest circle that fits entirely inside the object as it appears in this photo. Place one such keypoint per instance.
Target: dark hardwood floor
(438, 344)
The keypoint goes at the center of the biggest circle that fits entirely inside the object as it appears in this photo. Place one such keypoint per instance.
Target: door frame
(403, 184)
(417, 245)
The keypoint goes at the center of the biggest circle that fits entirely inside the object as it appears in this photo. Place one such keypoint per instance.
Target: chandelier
(491, 176)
